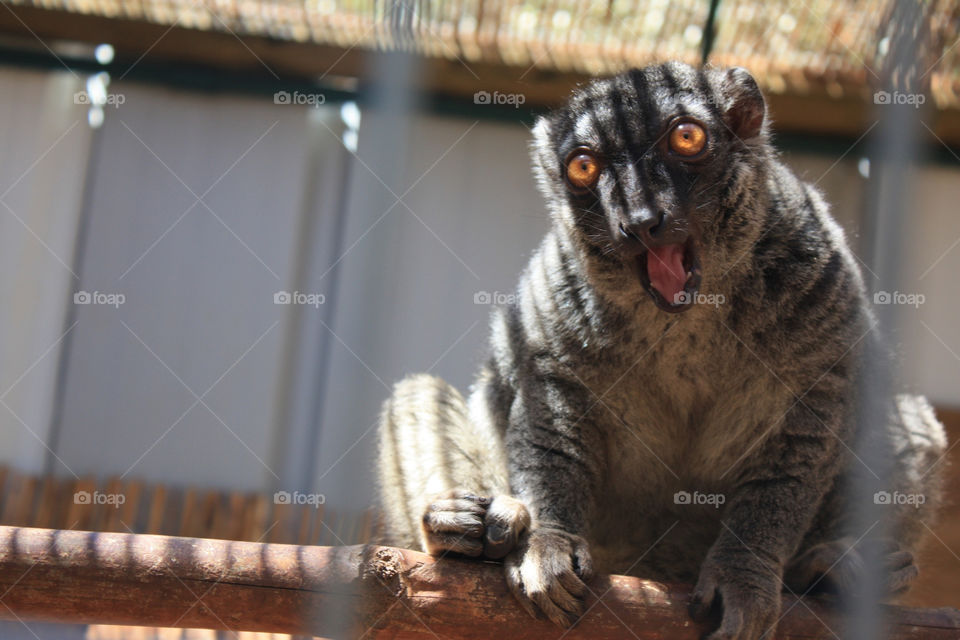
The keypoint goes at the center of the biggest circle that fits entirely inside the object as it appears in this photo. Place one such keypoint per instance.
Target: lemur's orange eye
(688, 139)
(583, 169)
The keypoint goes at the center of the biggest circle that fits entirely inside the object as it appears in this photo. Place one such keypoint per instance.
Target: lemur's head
(657, 166)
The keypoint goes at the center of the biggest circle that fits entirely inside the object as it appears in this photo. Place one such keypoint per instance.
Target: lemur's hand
(840, 566)
(453, 521)
(547, 572)
(507, 519)
(464, 522)
(745, 588)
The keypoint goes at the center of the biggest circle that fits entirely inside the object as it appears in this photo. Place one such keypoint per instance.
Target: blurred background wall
(198, 208)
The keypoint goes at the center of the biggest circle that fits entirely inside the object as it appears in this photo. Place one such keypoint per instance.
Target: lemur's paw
(839, 567)
(506, 519)
(547, 572)
(454, 521)
(744, 590)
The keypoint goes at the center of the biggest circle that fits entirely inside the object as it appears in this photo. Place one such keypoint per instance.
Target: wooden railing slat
(162, 581)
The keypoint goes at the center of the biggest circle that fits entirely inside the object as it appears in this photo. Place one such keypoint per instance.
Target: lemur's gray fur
(602, 399)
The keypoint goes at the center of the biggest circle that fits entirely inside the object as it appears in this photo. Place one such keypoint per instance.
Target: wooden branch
(376, 592)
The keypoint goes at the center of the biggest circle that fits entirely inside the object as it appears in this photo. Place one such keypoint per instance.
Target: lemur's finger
(731, 626)
(572, 583)
(582, 562)
(457, 504)
(879, 547)
(901, 577)
(439, 543)
(898, 560)
(464, 494)
(456, 512)
(702, 599)
(559, 606)
(506, 519)
(550, 597)
(546, 572)
(454, 522)
(517, 588)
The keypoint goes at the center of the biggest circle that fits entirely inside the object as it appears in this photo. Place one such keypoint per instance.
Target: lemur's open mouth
(671, 275)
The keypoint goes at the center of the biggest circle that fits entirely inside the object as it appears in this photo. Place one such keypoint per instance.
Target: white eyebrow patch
(583, 130)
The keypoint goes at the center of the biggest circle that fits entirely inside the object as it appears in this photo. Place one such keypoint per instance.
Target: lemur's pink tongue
(665, 268)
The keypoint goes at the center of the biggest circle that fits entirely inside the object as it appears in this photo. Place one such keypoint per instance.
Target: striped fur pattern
(600, 412)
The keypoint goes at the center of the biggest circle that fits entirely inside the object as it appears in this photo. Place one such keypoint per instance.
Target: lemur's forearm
(781, 486)
(554, 453)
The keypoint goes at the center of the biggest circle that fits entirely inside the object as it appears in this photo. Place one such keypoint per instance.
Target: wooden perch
(363, 590)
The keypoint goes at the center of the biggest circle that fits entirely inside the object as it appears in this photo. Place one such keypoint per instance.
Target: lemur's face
(637, 165)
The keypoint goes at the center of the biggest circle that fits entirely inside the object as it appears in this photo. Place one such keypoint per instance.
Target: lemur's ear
(541, 130)
(745, 107)
(542, 148)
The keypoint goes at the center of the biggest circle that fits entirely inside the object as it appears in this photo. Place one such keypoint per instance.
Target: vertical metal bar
(709, 31)
(311, 447)
(383, 146)
(306, 351)
(892, 156)
(51, 463)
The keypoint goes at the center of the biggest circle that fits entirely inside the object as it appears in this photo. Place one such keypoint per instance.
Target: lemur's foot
(547, 572)
(838, 567)
(464, 522)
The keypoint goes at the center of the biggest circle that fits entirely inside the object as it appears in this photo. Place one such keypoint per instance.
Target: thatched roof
(793, 46)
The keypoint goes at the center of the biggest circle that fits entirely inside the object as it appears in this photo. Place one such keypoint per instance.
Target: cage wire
(852, 48)
(909, 45)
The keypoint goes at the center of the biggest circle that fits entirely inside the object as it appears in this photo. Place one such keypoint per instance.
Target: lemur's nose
(648, 229)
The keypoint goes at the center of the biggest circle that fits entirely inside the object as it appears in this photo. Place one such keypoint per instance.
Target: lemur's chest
(686, 415)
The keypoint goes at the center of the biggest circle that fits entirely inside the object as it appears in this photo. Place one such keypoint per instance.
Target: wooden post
(363, 590)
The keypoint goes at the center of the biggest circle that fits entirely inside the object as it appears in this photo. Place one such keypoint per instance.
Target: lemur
(692, 324)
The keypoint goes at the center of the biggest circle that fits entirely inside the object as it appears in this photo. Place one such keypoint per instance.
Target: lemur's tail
(920, 445)
(427, 444)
